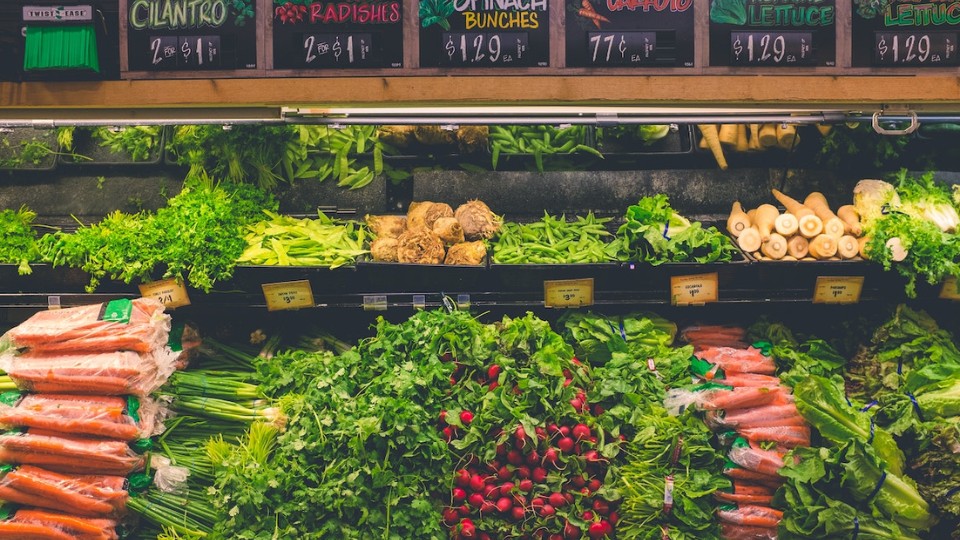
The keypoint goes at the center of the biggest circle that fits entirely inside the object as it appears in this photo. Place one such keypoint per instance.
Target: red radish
(459, 494)
(578, 481)
(594, 484)
(463, 478)
(494, 466)
(466, 417)
(521, 436)
(556, 537)
(567, 374)
(571, 531)
(488, 507)
(464, 510)
(443, 417)
(576, 404)
(613, 518)
(587, 515)
(493, 386)
(475, 499)
(523, 472)
(490, 492)
(485, 536)
(585, 492)
(553, 429)
(541, 433)
(504, 505)
(467, 530)
(448, 433)
(582, 396)
(592, 456)
(601, 506)
(565, 431)
(453, 382)
(506, 487)
(581, 431)
(450, 516)
(501, 449)
(514, 457)
(550, 456)
(477, 482)
(504, 473)
(493, 372)
(569, 497)
(539, 475)
(576, 361)
(517, 513)
(597, 409)
(525, 485)
(565, 445)
(547, 511)
(519, 500)
(556, 499)
(567, 382)
(533, 458)
(597, 530)
(537, 503)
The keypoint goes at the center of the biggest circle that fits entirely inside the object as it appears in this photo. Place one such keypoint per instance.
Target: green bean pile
(553, 240)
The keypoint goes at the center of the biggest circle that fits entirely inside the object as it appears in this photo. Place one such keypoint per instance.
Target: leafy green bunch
(19, 244)
(654, 232)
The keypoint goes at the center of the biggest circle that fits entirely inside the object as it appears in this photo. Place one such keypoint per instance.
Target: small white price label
(375, 303)
(950, 291)
(170, 292)
(694, 290)
(838, 289)
(288, 295)
(563, 293)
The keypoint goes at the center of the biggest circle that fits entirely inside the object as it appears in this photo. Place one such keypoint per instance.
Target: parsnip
(798, 247)
(832, 225)
(851, 219)
(823, 247)
(774, 247)
(862, 242)
(765, 220)
(738, 220)
(709, 132)
(728, 135)
(755, 137)
(786, 225)
(847, 247)
(787, 137)
(897, 252)
(742, 144)
(824, 129)
(768, 135)
(749, 240)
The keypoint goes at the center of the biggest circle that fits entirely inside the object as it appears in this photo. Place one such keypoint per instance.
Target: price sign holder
(170, 292)
(375, 303)
(563, 293)
(419, 301)
(53, 302)
(837, 289)
(902, 34)
(288, 295)
(950, 290)
(694, 290)
(796, 33)
(661, 34)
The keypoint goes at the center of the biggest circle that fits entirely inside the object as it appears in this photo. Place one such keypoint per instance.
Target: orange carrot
(753, 515)
(54, 494)
(737, 498)
(730, 531)
(592, 15)
(74, 524)
(30, 531)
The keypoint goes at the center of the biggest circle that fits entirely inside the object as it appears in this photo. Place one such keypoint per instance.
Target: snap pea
(554, 240)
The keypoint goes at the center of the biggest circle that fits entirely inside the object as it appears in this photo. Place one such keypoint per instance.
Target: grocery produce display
(445, 425)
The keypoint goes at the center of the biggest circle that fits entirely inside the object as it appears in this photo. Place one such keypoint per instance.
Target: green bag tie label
(138, 483)
(175, 341)
(133, 408)
(704, 369)
(764, 346)
(7, 511)
(11, 398)
(142, 446)
(119, 310)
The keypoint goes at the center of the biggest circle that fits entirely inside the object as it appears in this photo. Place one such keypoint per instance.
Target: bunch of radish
(546, 485)
(290, 13)
(805, 231)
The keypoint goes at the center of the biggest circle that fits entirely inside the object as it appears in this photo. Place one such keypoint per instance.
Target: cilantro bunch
(19, 244)
(197, 237)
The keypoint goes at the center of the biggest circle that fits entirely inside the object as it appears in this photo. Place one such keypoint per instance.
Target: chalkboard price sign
(771, 49)
(630, 33)
(191, 35)
(338, 50)
(484, 33)
(622, 48)
(915, 49)
(765, 33)
(481, 48)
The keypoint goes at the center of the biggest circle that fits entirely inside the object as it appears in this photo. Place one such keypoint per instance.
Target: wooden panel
(489, 90)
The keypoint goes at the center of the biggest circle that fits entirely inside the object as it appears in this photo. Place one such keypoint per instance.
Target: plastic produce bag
(766, 416)
(732, 360)
(717, 396)
(55, 526)
(120, 325)
(756, 459)
(123, 418)
(92, 496)
(68, 454)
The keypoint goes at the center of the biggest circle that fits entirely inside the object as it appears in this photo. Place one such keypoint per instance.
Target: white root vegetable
(847, 247)
(738, 220)
(766, 218)
(749, 240)
(798, 247)
(897, 252)
(823, 247)
(775, 247)
(786, 225)
(851, 219)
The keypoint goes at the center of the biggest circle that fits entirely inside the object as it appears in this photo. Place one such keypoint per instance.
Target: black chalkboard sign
(630, 33)
(899, 33)
(762, 33)
(191, 35)
(484, 33)
(344, 34)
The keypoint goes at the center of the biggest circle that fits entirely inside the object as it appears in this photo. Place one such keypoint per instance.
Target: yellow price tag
(949, 290)
(568, 293)
(694, 290)
(837, 289)
(288, 295)
(170, 292)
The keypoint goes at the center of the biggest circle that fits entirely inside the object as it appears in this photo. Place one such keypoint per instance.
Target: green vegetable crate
(28, 149)
(109, 146)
